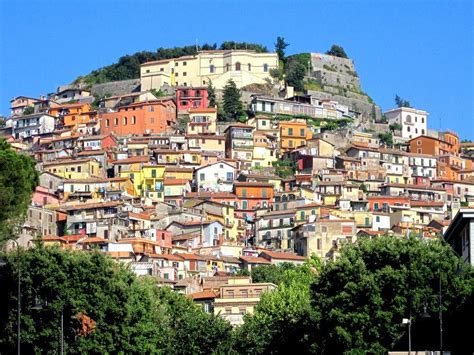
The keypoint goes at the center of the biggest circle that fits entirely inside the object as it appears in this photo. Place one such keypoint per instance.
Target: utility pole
(440, 316)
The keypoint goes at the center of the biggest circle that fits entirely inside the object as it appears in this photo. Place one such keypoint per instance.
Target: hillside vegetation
(128, 66)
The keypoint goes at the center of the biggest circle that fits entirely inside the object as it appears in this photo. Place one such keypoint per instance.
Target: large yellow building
(147, 180)
(74, 168)
(244, 67)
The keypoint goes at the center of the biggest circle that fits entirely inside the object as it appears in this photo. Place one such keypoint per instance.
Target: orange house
(156, 116)
(449, 167)
(74, 114)
(293, 134)
(252, 195)
(434, 146)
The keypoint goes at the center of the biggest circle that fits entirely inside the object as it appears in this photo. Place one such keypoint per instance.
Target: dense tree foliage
(280, 47)
(363, 296)
(18, 180)
(337, 51)
(386, 138)
(128, 66)
(211, 95)
(131, 315)
(296, 68)
(232, 104)
(401, 102)
(28, 110)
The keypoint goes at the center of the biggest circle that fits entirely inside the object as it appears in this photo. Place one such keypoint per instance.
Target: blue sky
(420, 50)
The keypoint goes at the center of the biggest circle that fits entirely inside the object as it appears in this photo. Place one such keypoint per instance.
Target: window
(408, 118)
(184, 73)
(250, 67)
(153, 173)
(228, 310)
(422, 131)
(230, 176)
(151, 108)
(302, 143)
(212, 68)
(408, 129)
(107, 122)
(152, 119)
(376, 206)
(418, 142)
(302, 132)
(265, 68)
(244, 205)
(244, 192)
(162, 69)
(324, 229)
(116, 121)
(264, 123)
(227, 67)
(264, 193)
(125, 121)
(237, 66)
(290, 131)
(302, 216)
(176, 74)
(290, 143)
(377, 219)
(184, 103)
(202, 176)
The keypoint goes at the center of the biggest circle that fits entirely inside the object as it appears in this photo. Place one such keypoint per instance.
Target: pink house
(188, 97)
(42, 197)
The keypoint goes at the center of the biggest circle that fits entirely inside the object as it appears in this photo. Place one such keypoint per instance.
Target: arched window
(265, 68)
(237, 66)
(212, 68)
(227, 67)
(408, 118)
(250, 67)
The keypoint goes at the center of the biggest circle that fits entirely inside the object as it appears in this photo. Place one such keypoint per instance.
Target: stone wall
(334, 71)
(116, 87)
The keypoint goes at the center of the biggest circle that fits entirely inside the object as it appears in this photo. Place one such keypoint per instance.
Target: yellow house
(207, 143)
(244, 67)
(224, 214)
(322, 147)
(174, 172)
(264, 149)
(147, 179)
(202, 121)
(74, 168)
(293, 134)
(303, 213)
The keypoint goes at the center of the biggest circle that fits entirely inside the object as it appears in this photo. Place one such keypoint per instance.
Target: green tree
(211, 95)
(295, 74)
(386, 138)
(281, 322)
(401, 102)
(363, 188)
(132, 315)
(232, 104)
(395, 127)
(362, 297)
(280, 47)
(330, 126)
(28, 110)
(18, 180)
(337, 51)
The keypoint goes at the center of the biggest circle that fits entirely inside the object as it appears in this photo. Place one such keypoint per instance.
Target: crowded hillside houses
(161, 183)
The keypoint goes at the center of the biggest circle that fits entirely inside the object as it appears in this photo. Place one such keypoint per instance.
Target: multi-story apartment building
(239, 144)
(273, 229)
(293, 134)
(143, 117)
(423, 167)
(202, 121)
(30, 125)
(449, 144)
(413, 121)
(191, 98)
(244, 67)
(20, 103)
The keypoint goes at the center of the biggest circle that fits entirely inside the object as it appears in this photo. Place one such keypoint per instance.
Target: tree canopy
(232, 104)
(337, 51)
(401, 102)
(211, 95)
(280, 47)
(18, 180)
(131, 315)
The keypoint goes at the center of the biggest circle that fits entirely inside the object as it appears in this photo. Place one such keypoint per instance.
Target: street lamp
(38, 305)
(3, 262)
(409, 320)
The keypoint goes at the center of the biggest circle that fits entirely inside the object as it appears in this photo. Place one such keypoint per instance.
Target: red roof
(203, 295)
(254, 260)
(190, 256)
(282, 255)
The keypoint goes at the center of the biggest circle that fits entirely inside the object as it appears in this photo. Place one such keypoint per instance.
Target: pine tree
(232, 105)
(280, 47)
(211, 95)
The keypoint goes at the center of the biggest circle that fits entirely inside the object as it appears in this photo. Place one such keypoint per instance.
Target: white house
(31, 125)
(215, 177)
(380, 221)
(413, 121)
(422, 165)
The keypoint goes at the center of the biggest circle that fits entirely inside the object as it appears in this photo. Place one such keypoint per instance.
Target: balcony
(242, 146)
(240, 134)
